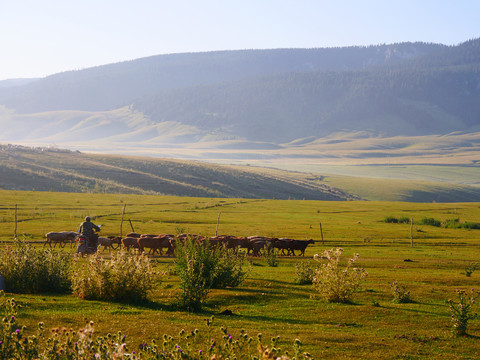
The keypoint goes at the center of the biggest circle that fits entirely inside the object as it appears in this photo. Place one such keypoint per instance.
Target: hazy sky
(43, 37)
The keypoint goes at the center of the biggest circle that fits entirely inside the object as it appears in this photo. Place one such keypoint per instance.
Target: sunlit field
(428, 260)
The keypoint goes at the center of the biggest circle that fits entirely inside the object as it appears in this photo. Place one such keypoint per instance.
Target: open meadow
(429, 261)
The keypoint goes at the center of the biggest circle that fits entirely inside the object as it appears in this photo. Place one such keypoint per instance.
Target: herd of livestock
(253, 245)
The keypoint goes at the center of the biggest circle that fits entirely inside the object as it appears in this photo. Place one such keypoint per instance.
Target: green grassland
(269, 301)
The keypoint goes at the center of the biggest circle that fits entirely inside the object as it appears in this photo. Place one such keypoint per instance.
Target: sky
(43, 37)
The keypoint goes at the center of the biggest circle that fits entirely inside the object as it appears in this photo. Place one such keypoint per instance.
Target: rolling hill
(44, 169)
(51, 169)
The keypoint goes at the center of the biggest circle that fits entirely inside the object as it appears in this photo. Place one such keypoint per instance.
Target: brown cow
(284, 244)
(257, 243)
(60, 238)
(108, 242)
(156, 243)
(129, 242)
(133, 235)
(300, 245)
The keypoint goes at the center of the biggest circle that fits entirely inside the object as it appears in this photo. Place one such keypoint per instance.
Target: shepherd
(87, 229)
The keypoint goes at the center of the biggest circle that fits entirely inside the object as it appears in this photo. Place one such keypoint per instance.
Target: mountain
(116, 85)
(9, 83)
(407, 103)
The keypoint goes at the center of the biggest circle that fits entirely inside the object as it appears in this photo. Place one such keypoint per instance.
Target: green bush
(28, 270)
(394, 220)
(452, 224)
(196, 263)
(333, 283)
(471, 225)
(229, 271)
(404, 220)
(305, 272)
(430, 222)
(202, 267)
(122, 278)
(390, 219)
(271, 255)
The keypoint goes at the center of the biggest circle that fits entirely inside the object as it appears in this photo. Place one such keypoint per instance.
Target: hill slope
(45, 169)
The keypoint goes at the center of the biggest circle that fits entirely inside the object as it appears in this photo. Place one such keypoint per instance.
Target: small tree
(333, 283)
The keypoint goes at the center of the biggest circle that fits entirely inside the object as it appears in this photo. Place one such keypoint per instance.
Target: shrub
(404, 220)
(461, 310)
(471, 225)
(122, 278)
(202, 267)
(470, 268)
(271, 255)
(390, 219)
(452, 224)
(333, 283)
(28, 270)
(394, 220)
(84, 344)
(400, 293)
(431, 222)
(229, 271)
(195, 263)
(305, 272)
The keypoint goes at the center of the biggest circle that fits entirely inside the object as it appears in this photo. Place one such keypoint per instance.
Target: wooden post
(411, 232)
(321, 231)
(15, 231)
(218, 222)
(130, 221)
(121, 222)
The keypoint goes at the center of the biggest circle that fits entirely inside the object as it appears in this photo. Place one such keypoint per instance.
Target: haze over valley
(364, 111)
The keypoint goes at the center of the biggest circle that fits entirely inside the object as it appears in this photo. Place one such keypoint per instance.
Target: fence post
(121, 222)
(218, 222)
(321, 231)
(15, 231)
(411, 232)
(130, 221)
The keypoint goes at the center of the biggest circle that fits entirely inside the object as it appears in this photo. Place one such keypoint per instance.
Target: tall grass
(121, 278)
(29, 270)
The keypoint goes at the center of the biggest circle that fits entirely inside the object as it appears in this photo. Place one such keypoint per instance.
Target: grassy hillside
(56, 170)
(46, 169)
